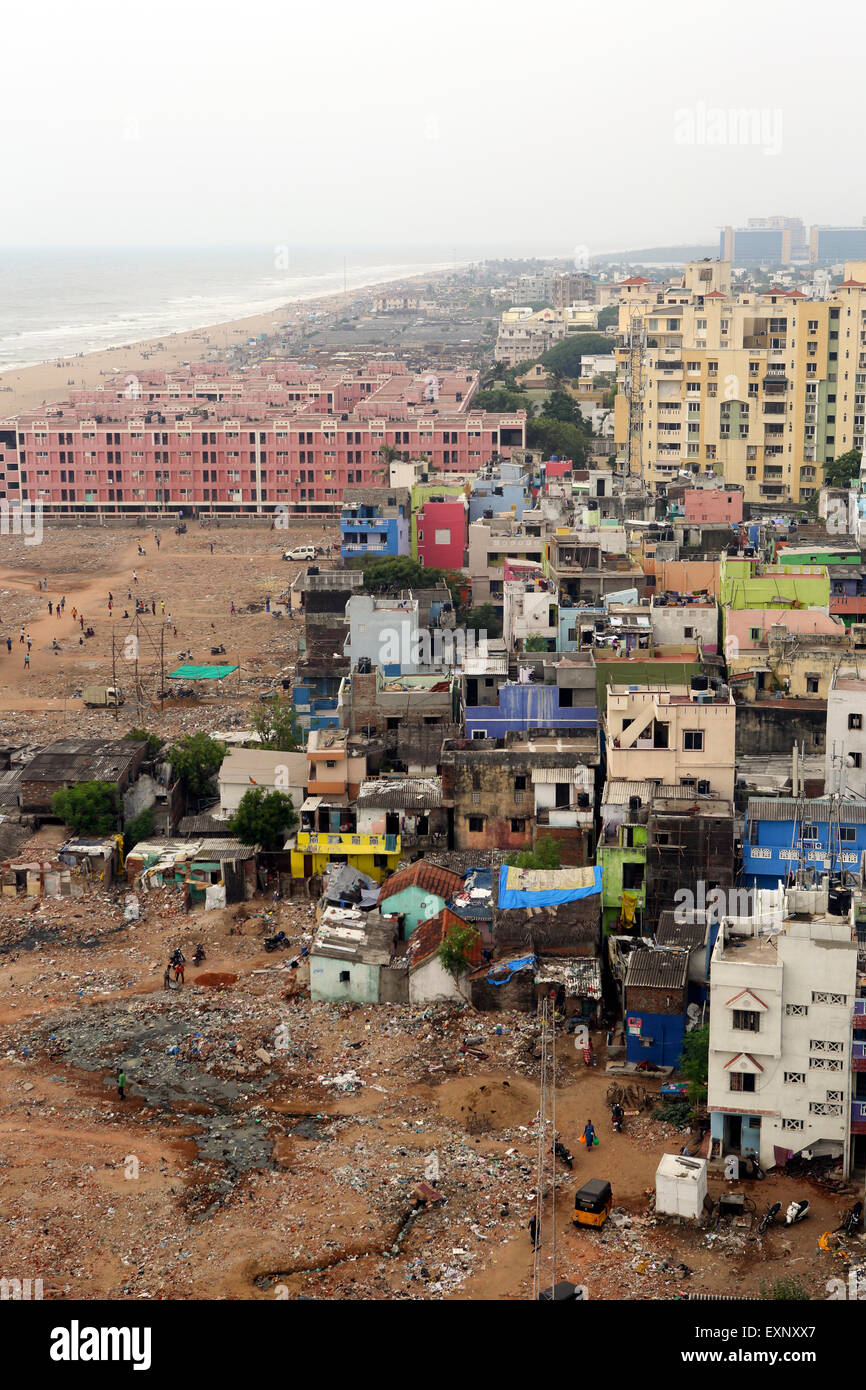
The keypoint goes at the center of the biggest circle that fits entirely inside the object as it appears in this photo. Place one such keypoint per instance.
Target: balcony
(858, 1117)
(313, 843)
(858, 1056)
(860, 1013)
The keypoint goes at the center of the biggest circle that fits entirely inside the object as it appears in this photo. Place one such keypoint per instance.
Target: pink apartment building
(713, 505)
(211, 438)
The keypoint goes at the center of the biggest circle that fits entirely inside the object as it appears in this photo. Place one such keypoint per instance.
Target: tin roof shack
(498, 788)
(429, 981)
(690, 846)
(68, 762)
(94, 858)
(692, 932)
(410, 807)
(212, 872)
(574, 983)
(349, 948)
(35, 878)
(656, 998)
(505, 986)
(556, 910)
(474, 902)
(417, 893)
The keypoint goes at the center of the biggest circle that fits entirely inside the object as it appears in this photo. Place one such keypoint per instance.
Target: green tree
(484, 618)
(545, 855)
(502, 398)
(263, 818)
(139, 828)
(195, 759)
(153, 741)
(387, 454)
(844, 470)
(608, 317)
(695, 1062)
(560, 406)
(90, 808)
(455, 951)
(276, 724)
(556, 437)
(536, 644)
(565, 355)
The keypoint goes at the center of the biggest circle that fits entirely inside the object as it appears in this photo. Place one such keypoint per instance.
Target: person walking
(533, 1231)
(50, 608)
(233, 607)
(74, 614)
(588, 1135)
(162, 605)
(121, 1084)
(178, 971)
(26, 660)
(21, 635)
(153, 606)
(211, 547)
(135, 576)
(9, 644)
(81, 620)
(29, 641)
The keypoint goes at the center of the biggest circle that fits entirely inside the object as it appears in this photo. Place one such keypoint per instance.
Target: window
(693, 739)
(820, 996)
(855, 721)
(632, 876)
(812, 684)
(847, 832)
(476, 825)
(747, 1020)
(810, 832)
(754, 634)
(518, 826)
(795, 1078)
(742, 1081)
(797, 1010)
(856, 759)
(520, 784)
(442, 536)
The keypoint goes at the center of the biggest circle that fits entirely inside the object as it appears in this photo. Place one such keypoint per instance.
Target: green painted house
(417, 893)
(622, 854)
(746, 583)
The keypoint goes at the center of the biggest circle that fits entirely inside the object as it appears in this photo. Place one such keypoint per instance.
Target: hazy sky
(534, 127)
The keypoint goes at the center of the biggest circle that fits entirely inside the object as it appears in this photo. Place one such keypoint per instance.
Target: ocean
(56, 302)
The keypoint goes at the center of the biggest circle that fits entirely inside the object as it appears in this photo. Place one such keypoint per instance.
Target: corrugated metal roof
(687, 933)
(785, 808)
(580, 975)
(662, 969)
(617, 793)
(579, 775)
(402, 793)
(226, 849)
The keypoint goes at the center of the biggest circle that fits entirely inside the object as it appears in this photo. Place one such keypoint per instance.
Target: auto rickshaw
(592, 1203)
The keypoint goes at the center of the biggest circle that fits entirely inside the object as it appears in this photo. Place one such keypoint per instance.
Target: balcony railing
(326, 843)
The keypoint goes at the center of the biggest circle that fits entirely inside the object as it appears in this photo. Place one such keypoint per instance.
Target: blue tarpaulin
(547, 897)
(512, 967)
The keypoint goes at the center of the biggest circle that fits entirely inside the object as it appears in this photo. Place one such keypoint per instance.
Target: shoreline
(45, 383)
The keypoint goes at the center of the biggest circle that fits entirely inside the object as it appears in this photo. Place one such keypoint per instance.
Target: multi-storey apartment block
(760, 388)
(208, 437)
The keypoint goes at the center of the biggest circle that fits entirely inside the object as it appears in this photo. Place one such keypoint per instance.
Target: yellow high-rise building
(760, 388)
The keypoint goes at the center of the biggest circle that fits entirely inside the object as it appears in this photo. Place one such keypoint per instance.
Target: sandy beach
(26, 388)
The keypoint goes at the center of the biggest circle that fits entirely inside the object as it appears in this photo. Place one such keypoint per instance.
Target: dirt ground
(197, 586)
(269, 1146)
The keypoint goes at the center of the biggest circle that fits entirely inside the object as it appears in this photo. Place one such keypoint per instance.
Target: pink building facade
(442, 534)
(713, 505)
(212, 439)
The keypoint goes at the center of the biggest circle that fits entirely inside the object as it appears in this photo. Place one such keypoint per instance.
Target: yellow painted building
(761, 388)
(375, 855)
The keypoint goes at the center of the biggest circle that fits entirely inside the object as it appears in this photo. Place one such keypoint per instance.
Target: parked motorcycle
(278, 942)
(617, 1116)
(562, 1152)
(853, 1220)
(769, 1217)
(797, 1211)
(199, 955)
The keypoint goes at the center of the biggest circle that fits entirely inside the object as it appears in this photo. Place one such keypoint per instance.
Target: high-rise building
(764, 241)
(760, 388)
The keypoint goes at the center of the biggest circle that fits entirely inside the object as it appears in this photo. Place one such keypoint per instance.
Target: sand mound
(485, 1104)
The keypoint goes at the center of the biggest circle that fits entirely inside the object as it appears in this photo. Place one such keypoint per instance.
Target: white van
(301, 552)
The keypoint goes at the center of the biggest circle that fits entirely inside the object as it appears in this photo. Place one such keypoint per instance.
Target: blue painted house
(656, 1000)
(777, 841)
(374, 521)
(500, 488)
(530, 706)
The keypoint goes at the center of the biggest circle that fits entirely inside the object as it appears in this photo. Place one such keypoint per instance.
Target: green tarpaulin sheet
(200, 673)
